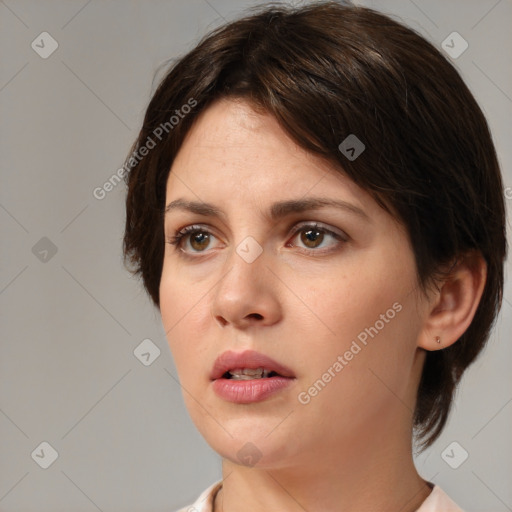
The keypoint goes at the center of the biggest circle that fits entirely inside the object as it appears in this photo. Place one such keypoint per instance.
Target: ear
(453, 305)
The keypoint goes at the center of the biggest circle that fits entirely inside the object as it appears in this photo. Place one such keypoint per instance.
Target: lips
(248, 360)
(249, 377)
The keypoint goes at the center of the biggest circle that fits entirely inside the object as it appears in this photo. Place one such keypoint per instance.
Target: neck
(377, 475)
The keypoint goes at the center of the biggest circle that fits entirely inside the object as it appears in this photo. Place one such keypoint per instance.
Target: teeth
(249, 373)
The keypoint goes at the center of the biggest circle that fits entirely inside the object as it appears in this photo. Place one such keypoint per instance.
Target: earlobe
(455, 303)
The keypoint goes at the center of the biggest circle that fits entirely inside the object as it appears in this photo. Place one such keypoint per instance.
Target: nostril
(222, 321)
(256, 315)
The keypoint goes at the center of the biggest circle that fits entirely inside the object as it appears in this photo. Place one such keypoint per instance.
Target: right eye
(197, 236)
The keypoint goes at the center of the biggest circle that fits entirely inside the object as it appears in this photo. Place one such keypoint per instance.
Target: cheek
(177, 311)
(367, 318)
(185, 315)
(347, 301)
(172, 309)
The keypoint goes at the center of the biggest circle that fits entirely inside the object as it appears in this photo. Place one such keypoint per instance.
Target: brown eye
(199, 240)
(312, 238)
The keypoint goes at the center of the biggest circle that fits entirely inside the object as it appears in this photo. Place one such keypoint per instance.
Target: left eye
(313, 235)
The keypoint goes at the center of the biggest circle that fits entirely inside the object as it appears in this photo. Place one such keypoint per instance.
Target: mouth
(250, 374)
(248, 377)
(247, 365)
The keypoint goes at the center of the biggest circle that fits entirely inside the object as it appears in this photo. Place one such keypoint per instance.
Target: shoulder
(204, 502)
(439, 501)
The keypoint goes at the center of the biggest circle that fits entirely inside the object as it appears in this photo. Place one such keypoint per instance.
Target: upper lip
(230, 360)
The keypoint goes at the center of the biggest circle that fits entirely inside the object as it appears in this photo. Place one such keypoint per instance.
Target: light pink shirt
(436, 501)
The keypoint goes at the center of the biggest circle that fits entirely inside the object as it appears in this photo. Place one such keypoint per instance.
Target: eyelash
(180, 235)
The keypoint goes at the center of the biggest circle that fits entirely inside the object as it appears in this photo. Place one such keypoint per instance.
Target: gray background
(72, 320)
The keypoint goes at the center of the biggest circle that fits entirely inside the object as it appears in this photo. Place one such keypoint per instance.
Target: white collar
(436, 501)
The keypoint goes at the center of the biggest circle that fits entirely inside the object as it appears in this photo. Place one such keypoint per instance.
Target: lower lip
(249, 391)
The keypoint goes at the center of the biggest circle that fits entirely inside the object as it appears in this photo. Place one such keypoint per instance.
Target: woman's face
(335, 306)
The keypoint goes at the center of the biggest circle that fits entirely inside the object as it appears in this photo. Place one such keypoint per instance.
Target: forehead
(231, 146)
(231, 130)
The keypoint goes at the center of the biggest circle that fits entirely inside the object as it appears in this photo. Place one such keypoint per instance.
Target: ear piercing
(438, 339)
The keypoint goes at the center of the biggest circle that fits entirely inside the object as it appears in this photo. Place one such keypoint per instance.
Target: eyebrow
(277, 210)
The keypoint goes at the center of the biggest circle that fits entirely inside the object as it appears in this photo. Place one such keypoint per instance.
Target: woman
(315, 206)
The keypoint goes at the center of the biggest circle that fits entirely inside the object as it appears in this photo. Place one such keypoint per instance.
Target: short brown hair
(326, 71)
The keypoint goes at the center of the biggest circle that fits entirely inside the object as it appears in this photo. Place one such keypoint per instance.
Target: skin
(302, 305)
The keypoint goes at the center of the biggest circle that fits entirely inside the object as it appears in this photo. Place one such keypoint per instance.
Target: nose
(247, 294)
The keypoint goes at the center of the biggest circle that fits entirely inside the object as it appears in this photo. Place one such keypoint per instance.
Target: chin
(259, 453)
(249, 441)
